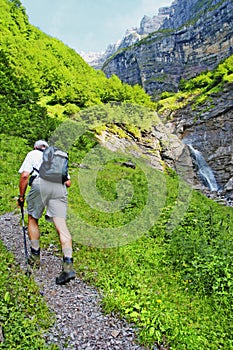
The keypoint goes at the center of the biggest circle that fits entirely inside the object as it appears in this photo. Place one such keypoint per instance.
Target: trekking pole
(28, 272)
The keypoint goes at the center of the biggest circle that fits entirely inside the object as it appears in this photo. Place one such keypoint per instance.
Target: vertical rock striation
(193, 39)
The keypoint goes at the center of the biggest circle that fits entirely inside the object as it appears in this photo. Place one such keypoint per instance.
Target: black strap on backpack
(33, 177)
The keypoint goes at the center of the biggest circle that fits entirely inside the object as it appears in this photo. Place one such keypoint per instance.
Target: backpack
(54, 166)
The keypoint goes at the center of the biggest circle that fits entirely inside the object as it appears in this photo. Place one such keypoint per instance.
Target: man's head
(41, 144)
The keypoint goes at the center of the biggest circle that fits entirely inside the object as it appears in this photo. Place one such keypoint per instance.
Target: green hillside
(174, 284)
(45, 70)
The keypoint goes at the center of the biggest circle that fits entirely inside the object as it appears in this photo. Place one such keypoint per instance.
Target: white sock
(67, 252)
(35, 244)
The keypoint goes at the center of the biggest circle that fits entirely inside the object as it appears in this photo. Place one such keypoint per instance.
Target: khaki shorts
(45, 194)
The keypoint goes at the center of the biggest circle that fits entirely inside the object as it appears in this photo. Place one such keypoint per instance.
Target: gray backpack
(54, 166)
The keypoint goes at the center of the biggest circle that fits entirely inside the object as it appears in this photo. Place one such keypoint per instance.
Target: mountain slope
(196, 44)
(174, 280)
(57, 73)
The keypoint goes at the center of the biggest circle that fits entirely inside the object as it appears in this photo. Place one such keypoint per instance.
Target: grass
(174, 286)
(24, 315)
(155, 282)
(12, 152)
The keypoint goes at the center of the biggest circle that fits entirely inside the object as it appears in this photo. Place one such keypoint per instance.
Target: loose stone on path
(80, 323)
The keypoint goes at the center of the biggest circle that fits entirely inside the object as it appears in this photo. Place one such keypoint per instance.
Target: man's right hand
(21, 201)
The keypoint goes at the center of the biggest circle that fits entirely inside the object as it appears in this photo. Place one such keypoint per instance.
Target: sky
(89, 25)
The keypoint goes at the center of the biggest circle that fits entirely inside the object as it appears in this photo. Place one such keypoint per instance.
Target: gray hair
(41, 144)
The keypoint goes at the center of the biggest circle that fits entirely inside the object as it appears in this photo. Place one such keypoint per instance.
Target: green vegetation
(19, 106)
(24, 314)
(52, 70)
(199, 89)
(211, 81)
(174, 285)
(11, 154)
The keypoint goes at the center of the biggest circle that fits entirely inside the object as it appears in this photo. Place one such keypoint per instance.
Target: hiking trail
(80, 323)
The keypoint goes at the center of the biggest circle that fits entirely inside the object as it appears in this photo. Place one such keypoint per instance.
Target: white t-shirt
(32, 160)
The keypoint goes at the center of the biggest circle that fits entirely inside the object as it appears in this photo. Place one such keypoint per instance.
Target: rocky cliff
(160, 149)
(208, 129)
(195, 37)
(133, 35)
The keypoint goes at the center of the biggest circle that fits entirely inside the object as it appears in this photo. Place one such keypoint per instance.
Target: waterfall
(204, 171)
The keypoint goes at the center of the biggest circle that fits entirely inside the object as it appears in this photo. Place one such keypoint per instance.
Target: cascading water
(204, 171)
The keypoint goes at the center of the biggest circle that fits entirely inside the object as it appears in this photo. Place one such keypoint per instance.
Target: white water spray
(204, 171)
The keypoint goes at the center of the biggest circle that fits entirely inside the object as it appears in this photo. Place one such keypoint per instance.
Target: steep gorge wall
(209, 130)
(164, 57)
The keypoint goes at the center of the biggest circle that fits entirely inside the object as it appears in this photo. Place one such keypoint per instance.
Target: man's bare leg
(34, 236)
(68, 272)
(64, 236)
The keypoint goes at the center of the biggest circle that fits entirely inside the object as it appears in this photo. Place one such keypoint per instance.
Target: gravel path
(80, 324)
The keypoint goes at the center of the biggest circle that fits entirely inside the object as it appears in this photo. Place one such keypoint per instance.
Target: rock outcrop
(160, 60)
(160, 149)
(193, 37)
(208, 129)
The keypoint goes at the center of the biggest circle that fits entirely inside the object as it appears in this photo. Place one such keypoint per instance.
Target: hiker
(52, 196)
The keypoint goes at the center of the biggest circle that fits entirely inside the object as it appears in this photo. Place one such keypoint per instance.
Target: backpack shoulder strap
(35, 170)
(48, 154)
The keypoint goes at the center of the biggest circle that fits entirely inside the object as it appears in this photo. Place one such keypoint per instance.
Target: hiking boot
(68, 273)
(34, 258)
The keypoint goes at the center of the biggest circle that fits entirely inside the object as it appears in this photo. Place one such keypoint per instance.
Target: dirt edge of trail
(80, 324)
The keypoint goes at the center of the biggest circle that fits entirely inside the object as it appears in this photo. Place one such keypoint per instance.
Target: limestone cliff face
(194, 38)
(188, 43)
(159, 149)
(209, 130)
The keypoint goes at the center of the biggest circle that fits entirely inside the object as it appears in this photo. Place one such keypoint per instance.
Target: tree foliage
(208, 80)
(54, 69)
(20, 113)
